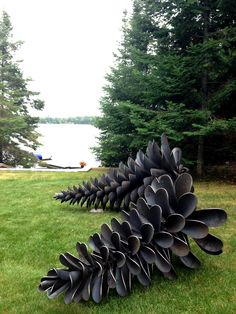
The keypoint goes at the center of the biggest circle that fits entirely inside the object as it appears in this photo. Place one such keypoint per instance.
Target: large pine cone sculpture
(127, 183)
(156, 228)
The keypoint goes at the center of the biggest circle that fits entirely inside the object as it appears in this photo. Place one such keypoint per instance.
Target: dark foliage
(174, 73)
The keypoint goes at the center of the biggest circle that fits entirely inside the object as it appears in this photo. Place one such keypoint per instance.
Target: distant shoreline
(70, 120)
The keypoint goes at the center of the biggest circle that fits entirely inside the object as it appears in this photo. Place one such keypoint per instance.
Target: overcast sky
(68, 49)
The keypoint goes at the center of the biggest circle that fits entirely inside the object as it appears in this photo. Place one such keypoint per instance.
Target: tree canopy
(17, 126)
(175, 72)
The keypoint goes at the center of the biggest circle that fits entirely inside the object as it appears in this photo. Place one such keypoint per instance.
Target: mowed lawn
(35, 229)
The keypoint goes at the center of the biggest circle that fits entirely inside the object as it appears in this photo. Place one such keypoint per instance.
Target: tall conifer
(17, 126)
(176, 75)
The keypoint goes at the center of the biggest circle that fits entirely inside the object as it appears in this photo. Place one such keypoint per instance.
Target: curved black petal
(58, 288)
(171, 275)
(134, 244)
(97, 289)
(176, 154)
(175, 223)
(154, 153)
(111, 280)
(183, 184)
(180, 247)
(133, 266)
(166, 183)
(106, 233)
(212, 217)
(155, 214)
(143, 276)
(157, 172)
(165, 148)
(70, 293)
(70, 261)
(119, 258)
(190, 260)
(86, 289)
(148, 254)
(116, 227)
(62, 274)
(210, 244)
(164, 239)
(104, 253)
(126, 228)
(196, 229)
(162, 199)
(120, 283)
(147, 232)
(162, 263)
(142, 207)
(150, 196)
(187, 203)
(85, 257)
(95, 242)
(135, 219)
(115, 238)
(127, 277)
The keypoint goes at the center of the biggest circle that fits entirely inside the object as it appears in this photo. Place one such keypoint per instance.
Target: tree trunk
(200, 153)
(1, 153)
(204, 89)
(200, 156)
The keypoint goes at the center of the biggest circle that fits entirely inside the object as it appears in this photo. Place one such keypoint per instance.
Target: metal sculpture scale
(157, 227)
(127, 183)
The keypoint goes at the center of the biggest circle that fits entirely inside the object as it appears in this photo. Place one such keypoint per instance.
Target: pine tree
(17, 127)
(125, 86)
(175, 74)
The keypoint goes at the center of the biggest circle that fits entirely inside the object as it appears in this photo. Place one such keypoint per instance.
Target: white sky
(68, 49)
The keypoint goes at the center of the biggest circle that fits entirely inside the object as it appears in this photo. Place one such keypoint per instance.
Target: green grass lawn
(35, 229)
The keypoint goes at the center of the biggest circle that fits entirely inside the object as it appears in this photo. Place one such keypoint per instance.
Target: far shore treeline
(70, 120)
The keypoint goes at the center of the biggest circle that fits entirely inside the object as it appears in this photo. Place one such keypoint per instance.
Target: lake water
(68, 144)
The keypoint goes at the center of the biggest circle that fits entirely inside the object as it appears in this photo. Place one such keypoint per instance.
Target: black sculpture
(156, 228)
(126, 184)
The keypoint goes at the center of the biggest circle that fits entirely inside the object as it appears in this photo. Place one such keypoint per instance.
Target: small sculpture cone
(126, 184)
(157, 227)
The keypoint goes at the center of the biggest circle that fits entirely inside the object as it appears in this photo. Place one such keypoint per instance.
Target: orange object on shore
(82, 164)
